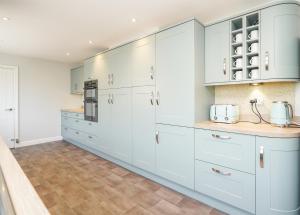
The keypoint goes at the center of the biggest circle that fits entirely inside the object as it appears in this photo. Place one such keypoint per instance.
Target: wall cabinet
(263, 47)
(217, 53)
(143, 128)
(142, 61)
(175, 154)
(89, 69)
(277, 176)
(77, 80)
(280, 33)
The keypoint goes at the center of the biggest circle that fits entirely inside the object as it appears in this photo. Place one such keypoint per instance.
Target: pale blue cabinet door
(175, 75)
(102, 72)
(142, 61)
(89, 68)
(118, 67)
(121, 124)
(143, 127)
(77, 80)
(175, 154)
(280, 33)
(277, 176)
(105, 131)
(217, 40)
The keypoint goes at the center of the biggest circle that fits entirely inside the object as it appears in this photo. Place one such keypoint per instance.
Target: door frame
(15, 70)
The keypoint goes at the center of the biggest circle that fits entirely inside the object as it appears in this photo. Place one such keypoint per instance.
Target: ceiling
(49, 29)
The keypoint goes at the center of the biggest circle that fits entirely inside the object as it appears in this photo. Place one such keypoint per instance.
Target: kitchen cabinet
(77, 80)
(142, 61)
(175, 154)
(102, 74)
(89, 69)
(280, 33)
(143, 128)
(217, 53)
(120, 133)
(117, 61)
(180, 96)
(277, 176)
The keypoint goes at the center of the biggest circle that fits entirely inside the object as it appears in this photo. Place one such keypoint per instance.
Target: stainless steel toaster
(226, 113)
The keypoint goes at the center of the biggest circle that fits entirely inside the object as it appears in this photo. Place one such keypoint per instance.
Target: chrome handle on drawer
(220, 172)
(90, 137)
(221, 137)
(261, 157)
(77, 132)
(90, 123)
(76, 121)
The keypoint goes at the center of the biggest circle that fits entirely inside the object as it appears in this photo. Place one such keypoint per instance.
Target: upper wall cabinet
(89, 68)
(280, 36)
(77, 80)
(142, 61)
(217, 53)
(263, 47)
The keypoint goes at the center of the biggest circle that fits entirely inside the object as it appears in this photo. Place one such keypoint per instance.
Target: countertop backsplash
(268, 92)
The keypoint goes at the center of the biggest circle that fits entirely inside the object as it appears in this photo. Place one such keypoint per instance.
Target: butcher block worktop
(73, 110)
(264, 130)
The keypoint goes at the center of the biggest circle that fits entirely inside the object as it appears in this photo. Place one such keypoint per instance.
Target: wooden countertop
(24, 198)
(264, 130)
(73, 110)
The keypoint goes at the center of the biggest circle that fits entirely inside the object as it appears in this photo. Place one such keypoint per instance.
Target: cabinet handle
(261, 157)
(221, 137)
(157, 137)
(157, 98)
(224, 66)
(152, 73)
(108, 79)
(152, 98)
(76, 121)
(77, 132)
(267, 61)
(220, 172)
(108, 100)
(90, 123)
(112, 99)
(66, 129)
(90, 137)
(112, 79)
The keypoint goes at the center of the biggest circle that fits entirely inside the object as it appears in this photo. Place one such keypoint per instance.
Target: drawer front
(91, 141)
(65, 132)
(66, 121)
(233, 187)
(230, 150)
(90, 127)
(77, 135)
(76, 115)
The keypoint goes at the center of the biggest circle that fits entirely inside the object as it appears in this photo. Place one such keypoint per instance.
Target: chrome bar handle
(112, 99)
(157, 137)
(108, 100)
(157, 98)
(220, 172)
(9, 109)
(267, 61)
(108, 79)
(261, 157)
(152, 73)
(152, 98)
(112, 79)
(224, 66)
(221, 137)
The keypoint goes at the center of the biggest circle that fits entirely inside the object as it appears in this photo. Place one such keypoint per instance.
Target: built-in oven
(91, 100)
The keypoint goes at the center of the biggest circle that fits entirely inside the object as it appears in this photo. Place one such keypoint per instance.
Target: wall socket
(258, 101)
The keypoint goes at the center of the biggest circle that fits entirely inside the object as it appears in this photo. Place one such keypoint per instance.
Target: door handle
(108, 79)
(112, 79)
(261, 157)
(224, 66)
(9, 109)
(267, 61)
(220, 172)
(152, 98)
(157, 137)
(157, 98)
(112, 99)
(152, 73)
(108, 100)
(221, 137)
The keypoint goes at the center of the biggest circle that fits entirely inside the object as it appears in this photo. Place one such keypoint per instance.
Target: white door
(9, 104)
(143, 127)
(175, 75)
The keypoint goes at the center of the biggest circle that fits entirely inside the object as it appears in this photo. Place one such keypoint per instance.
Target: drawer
(76, 135)
(65, 132)
(90, 127)
(91, 141)
(66, 121)
(230, 150)
(73, 115)
(230, 186)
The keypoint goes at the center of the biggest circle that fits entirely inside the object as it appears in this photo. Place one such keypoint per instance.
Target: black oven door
(91, 110)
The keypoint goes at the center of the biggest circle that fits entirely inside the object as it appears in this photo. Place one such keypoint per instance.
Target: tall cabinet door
(121, 124)
(175, 72)
(102, 73)
(175, 154)
(89, 68)
(143, 127)
(142, 61)
(217, 40)
(277, 176)
(104, 121)
(280, 33)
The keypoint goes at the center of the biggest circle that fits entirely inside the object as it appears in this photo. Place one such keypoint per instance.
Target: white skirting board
(38, 141)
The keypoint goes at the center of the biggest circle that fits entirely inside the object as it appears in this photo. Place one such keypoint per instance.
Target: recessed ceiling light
(90, 42)
(68, 54)
(133, 20)
(5, 18)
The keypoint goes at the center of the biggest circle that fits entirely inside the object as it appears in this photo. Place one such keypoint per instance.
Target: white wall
(297, 100)
(44, 88)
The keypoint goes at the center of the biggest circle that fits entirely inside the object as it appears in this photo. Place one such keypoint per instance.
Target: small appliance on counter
(281, 114)
(91, 100)
(227, 113)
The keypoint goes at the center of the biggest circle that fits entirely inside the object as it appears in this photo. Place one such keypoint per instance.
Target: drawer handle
(220, 172)
(77, 132)
(221, 137)
(66, 129)
(76, 121)
(90, 123)
(90, 137)
(261, 157)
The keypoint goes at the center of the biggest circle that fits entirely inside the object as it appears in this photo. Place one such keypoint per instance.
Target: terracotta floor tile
(72, 181)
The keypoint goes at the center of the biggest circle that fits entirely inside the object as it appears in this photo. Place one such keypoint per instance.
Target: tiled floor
(73, 181)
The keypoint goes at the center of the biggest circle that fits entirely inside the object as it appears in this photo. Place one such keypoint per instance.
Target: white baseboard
(38, 141)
